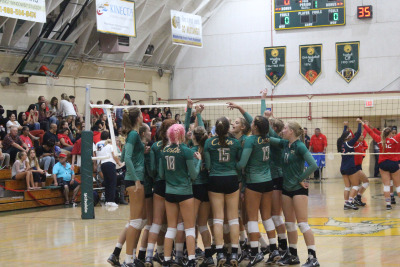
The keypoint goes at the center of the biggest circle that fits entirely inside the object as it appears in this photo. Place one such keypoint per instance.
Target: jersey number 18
(170, 163)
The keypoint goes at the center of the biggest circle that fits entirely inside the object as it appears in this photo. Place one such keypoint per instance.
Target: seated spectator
(46, 154)
(102, 123)
(44, 116)
(178, 119)
(141, 103)
(97, 112)
(20, 170)
(71, 127)
(13, 122)
(54, 111)
(78, 115)
(25, 137)
(166, 112)
(66, 107)
(65, 142)
(146, 116)
(32, 117)
(41, 99)
(4, 158)
(65, 177)
(51, 135)
(154, 113)
(12, 144)
(39, 175)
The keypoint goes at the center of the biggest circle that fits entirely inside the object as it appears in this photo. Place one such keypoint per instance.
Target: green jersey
(134, 157)
(293, 158)
(221, 161)
(155, 155)
(256, 158)
(148, 179)
(202, 178)
(276, 157)
(242, 173)
(178, 168)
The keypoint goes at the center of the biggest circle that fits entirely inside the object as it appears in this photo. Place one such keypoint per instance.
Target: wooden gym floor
(57, 236)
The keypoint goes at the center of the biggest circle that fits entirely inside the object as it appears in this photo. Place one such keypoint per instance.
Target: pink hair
(176, 134)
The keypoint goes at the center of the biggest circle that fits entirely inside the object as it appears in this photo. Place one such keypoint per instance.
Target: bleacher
(24, 199)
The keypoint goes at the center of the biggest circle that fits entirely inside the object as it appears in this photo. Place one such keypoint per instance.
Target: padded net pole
(87, 165)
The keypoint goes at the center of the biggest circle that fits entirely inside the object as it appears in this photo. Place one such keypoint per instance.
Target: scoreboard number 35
(364, 12)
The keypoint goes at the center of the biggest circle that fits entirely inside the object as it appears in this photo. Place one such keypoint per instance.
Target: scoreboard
(295, 14)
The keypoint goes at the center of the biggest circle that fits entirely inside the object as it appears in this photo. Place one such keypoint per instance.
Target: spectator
(76, 154)
(107, 102)
(66, 107)
(44, 115)
(178, 119)
(33, 134)
(32, 117)
(318, 144)
(134, 102)
(12, 144)
(20, 170)
(54, 111)
(3, 122)
(51, 135)
(65, 177)
(102, 123)
(46, 155)
(4, 158)
(154, 113)
(78, 115)
(108, 167)
(165, 113)
(41, 99)
(25, 137)
(306, 138)
(141, 103)
(13, 122)
(70, 125)
(96, 112)
(146, 116)
(39, 175)
(65, 142)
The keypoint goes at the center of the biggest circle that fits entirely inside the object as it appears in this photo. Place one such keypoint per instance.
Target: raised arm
(246, 115)
(356, 135)
(188, 114)
(199, 110)
(377, 138)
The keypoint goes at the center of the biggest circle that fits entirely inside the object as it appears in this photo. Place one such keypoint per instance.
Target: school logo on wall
(310, 62)
(275, 63)
(347, 60)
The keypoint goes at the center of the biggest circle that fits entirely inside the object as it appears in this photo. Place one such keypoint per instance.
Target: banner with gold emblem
(310, 62)
(347, 59)
(275, 63)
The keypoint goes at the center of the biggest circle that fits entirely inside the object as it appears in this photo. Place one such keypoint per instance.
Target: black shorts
(359, 167)
(159, 188)
(291, 194)
(129, 183)
(38, 178)
(263, 187)
(278, 183)
(350, 171)
(172, 198)
(200, 192)
(14, 178)
(148, 195)
(223, 184)
(389, 166)
(72, 186)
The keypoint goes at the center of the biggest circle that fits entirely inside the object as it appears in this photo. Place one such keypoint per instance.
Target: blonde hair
(385, 133)
(277, 123)
(297, 129)
(34, 160)
(64, 96)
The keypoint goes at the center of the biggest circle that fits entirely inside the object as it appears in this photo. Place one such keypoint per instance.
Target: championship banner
(310, 62)
(275, 63)
(33, 10)
(187, 29)
(347, 59)
(116, 17)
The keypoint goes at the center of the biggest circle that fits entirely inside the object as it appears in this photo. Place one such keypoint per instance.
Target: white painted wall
(231, 63)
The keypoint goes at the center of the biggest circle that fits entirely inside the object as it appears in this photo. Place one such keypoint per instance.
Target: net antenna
(51, 76)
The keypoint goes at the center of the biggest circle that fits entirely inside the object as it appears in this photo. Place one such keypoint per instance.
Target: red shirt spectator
(66, 139)
(27, 140)
(146, 117)
(77, 147)
(318, 142)
(97, 111)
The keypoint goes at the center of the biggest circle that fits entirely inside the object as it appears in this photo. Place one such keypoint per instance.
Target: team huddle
(189, 183)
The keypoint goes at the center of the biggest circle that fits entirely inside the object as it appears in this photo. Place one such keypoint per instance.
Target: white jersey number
(224, 155)
(265, 153)
(170, 163)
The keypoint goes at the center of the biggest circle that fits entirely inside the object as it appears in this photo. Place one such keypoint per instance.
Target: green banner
(275, 63)
(347, 59)
(310, 62)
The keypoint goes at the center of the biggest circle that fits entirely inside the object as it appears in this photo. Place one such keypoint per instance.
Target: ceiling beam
(8, 31)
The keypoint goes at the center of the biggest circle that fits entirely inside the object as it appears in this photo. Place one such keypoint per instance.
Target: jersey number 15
(224, 155)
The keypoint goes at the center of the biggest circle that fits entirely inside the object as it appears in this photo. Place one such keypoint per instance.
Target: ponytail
(163, 131)
(263, 127)
(221, 129)
(130, 120)
(297, 129)
(200, 135)
(385, 133)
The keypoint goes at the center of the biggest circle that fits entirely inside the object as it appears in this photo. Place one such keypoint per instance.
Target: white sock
(134, 254)
(191, 257)
(293, 246)
(242, 236)
(263, 242)
(150, 249)
(128, 259)
(272, 241)
(118, 245)
(282, 236)
(167, 258)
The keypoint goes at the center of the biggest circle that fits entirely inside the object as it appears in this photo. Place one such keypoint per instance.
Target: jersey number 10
(170, 163)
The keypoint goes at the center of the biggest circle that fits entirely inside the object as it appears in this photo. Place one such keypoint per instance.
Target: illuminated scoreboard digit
(296, 14)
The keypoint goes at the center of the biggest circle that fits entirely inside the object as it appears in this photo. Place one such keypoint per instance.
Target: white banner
(33, 10)
(186, 29)
(116, 17)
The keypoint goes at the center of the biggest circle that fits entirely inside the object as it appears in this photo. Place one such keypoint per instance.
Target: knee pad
(365, 185)
(137, 223)
(203, 228)
(386, 188)
(171, 233)
(391, 182)
(147, 227)
(233, 222)
(252, 227)
(155, 228)
(278, 220)
(269, 225)
(210, 222)
(190, 232)
(164, 228)
(226, 228)
(290, 226)
(180, 226)
(144, 222)
(218, 221)
(356, 187)
(347, 189)
(304, 227)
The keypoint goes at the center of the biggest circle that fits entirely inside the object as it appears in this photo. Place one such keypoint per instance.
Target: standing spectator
(146, 116)
(13, 122)
(44, 115)
(178, 119)
(165, 113)
(25, 137)
(96, 112)
(108, 167)
(65, 142)
(141, 103)
(306, 138)
(153, 113)
(4, 158)
(66, 107)
(54, 111)
(65, 177)
(32, 117)
(318, 144)
(78, 115)
(102, 123)
(20, 170)
(46, 155)
(51, 135)
(12, 144)
(39, 175)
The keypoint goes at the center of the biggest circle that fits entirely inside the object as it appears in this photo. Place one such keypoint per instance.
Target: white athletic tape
(253, 227)
(226, 228)
(218, 221)
(278, 220)
(171, 233)
(365, 185)
(190, 232)
(136, 223)
(233, 222)
(269, 225)
(155, 228)
(144, 222)
(386, 188)
(203, 228)
(356, 187)
(290, 226)
(391, 182)
(180, 226)
(347, 189)
(304, 227)
(147, 227)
